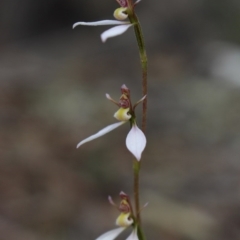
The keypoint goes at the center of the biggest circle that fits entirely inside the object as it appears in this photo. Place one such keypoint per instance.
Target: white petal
(111, 235)
(115, 31)
(136, 141)
(142, 99)
(111, 99)
(133, 235)
(100, 23)
(100, 133)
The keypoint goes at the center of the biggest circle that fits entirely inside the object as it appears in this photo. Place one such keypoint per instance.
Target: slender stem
(143, 57)
(136, 168)
(140, 234)
(144, 64)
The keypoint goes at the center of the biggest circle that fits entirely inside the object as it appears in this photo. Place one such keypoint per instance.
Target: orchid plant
(125, 18)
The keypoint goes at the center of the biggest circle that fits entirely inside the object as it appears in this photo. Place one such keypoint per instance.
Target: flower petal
(112, 234)
(142, 99)
(100, 133)
(111, 99)
(136, 141)
(122, 114)
(124, 220)
(133, 235)
(100, 23)
(120, 13)
(115, 31)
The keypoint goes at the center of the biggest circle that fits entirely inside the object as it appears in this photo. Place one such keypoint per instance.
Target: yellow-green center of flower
(122, 114)
(124, 220)
(120, 13)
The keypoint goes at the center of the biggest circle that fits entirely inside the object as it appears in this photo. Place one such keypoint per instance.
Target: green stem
(144, 63)
(136, 168)
(140, 234)
(143, 57)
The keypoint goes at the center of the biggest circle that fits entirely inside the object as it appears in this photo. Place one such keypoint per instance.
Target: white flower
(120, 14)
(124, 220)
(136, 140)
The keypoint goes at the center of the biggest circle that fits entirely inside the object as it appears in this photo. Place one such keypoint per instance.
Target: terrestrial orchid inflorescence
(135, 140)
(120, 14)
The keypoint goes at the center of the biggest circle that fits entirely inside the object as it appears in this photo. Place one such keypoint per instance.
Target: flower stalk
(143, 57)
(136, 169)
(144, 64)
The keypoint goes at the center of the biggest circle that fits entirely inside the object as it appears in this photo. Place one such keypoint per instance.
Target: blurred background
(53, 82)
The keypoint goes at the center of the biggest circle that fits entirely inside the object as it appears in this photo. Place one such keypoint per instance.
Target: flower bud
(120, 13)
